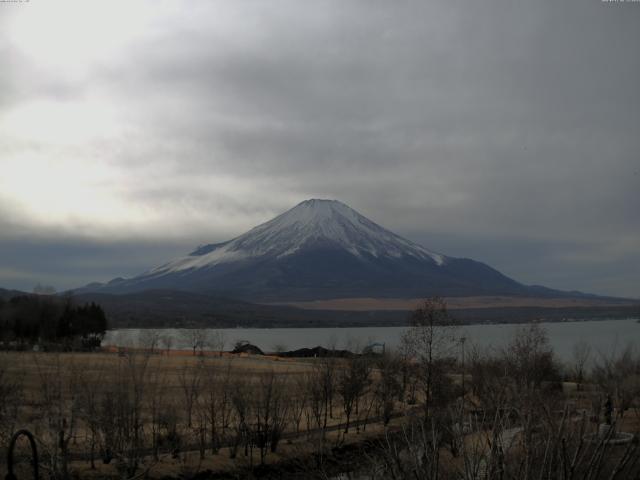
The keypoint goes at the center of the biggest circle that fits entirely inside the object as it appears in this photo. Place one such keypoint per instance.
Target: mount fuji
(321, 249)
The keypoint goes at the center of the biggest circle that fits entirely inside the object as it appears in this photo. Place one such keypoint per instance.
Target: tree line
(48, 320)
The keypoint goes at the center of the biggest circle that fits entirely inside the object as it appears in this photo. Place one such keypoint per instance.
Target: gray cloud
(503, 131)
(73, 262)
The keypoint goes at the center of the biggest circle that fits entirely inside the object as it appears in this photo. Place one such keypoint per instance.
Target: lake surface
(604, 336)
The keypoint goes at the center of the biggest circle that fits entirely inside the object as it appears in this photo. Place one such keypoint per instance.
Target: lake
(604, 336)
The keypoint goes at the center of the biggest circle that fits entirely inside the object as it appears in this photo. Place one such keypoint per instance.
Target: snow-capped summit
(320, 249)
(309, 223)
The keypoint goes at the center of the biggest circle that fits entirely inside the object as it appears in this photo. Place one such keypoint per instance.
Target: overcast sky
(504, 131)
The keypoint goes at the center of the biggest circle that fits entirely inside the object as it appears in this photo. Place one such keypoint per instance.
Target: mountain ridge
(322, 249)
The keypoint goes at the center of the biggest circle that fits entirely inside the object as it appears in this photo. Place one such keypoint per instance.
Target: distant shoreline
(297, 318)
(405, 324)
(508, 320)
(454, 303)
(602, 334)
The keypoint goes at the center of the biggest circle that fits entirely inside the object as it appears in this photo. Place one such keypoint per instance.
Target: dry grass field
(86, 397)
(155, 415)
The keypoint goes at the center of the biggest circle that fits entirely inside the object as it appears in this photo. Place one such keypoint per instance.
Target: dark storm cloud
(503, 131)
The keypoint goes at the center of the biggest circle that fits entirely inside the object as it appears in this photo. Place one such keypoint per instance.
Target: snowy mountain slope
(308, 222)
(321, 249)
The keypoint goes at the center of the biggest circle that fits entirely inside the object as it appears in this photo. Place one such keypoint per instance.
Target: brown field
(52, 384)
(453, 303)
(56, 391)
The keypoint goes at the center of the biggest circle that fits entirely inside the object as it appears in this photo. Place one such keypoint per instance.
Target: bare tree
(58, 408)
(429, 340)
(318, 403)
(326, 369)
(298, 402)
(91, 386)
(488, 380)
(217, 341)
(196, 338)
(529, 361)
(529, 358)
(269, 410)
(240, 396)
(156, 405)
(167, 342)
(190, 379)
(412, 453)
(388, 387)
(216, 403)
(149, 340)
(580, 353)
(132, 427)
(11, 395)
(504, 445)
(618, 374)
(352, 381)
(121, 414)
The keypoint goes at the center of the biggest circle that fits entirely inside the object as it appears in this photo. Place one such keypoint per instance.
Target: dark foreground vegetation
(50, 322)
(438, 408)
